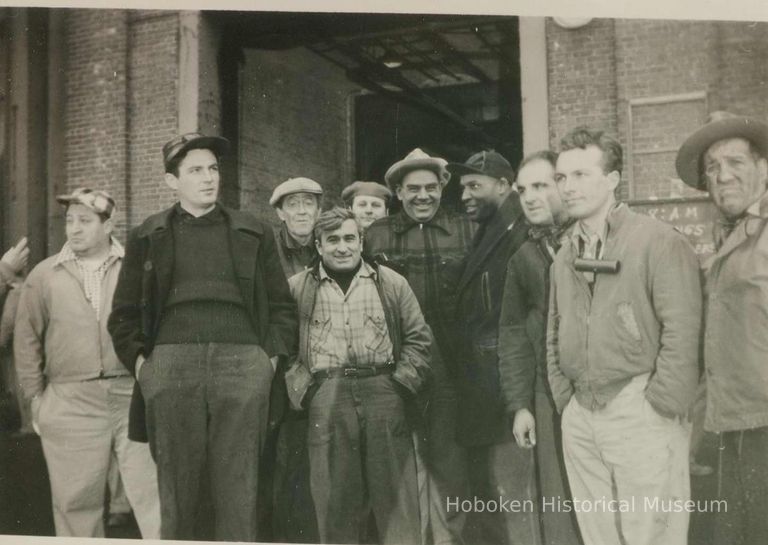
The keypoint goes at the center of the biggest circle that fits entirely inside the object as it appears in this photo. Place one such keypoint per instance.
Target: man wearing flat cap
(368, 201)
(297, 203)
(728, 157)
(426, 243)
(201, 316)
(80, 391)
(498, 466)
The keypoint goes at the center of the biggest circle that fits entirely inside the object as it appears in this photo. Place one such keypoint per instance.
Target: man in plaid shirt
(426, 243)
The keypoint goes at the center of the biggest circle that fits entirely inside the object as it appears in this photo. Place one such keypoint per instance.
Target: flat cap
(294, 185)
(416, 160)
(193, 140)
(371, 189)
(97, 200)
(719, 126)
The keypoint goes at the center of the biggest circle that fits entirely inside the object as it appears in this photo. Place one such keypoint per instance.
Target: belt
(356, 372)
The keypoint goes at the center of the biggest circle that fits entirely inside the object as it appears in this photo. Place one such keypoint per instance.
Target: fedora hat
(416, 160)
(719, 126)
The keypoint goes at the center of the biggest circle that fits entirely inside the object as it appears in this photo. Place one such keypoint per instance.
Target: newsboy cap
(371, 189)
(97, 200)
(488, 163)
(294, 185)
(416, 160)
(719, 126)
(193, 140)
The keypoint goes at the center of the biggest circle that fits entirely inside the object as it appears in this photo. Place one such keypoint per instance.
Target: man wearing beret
(201, 315)
(368, 201)
(297, 203)
(498, 466)
(80, 391)
(426, 243)
(622, 352)
(728, 157)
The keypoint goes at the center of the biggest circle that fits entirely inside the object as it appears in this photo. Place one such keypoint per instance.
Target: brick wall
(294, 109)
(596, 72)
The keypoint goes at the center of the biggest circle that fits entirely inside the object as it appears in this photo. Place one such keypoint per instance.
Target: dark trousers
(743, 484)
(207, 408)
(361, 457)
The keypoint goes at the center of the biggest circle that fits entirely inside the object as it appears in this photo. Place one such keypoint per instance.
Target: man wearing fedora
(80, 391)
(426, 243)
(201, 315)
(622, 352)
(498, 467)
(728, 157)
(369, 201)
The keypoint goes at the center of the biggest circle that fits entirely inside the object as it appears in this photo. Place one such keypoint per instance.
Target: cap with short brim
(719, 126)
(193, 140)
(97, 200)
(371, 189)
(487, 163)
(294, 185)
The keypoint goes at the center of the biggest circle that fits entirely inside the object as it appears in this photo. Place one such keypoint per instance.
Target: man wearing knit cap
(80, 391)
(297, 203)
(368, 201)
(728, 157)
(202, 314)
(426, 243)
(498, 466)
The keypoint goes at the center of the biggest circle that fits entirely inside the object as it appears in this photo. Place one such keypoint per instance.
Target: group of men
(363, 377)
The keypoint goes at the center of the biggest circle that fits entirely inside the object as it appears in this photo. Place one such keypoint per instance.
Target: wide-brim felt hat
(416, 160)
(193, 140)
(719, 126)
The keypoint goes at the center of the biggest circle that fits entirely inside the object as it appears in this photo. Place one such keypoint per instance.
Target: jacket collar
(236, 219)
(116, 251)
(403, 222)
(750, 224)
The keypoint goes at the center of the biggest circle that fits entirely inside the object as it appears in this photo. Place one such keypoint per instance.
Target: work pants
(80, 424)
(361, 457)
(207, 407)
(743, 485)
(635, 461)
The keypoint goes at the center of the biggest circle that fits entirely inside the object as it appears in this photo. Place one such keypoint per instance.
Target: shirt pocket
(320, 335)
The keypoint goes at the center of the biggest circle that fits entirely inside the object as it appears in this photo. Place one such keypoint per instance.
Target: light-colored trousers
(81, 424)
(629, 466)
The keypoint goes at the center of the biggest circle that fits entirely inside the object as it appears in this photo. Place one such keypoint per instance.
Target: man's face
(420, 192)
(86, 233)
(539, 196)
(586, 190)
(735, 178)
(299, 211)
(340, 249)
(197, 184)
(482, 195)
(368, 209)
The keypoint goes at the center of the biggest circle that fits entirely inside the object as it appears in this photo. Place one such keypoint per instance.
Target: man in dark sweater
(201, 316)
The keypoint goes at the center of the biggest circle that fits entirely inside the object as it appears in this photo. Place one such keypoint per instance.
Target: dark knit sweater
(204, 303)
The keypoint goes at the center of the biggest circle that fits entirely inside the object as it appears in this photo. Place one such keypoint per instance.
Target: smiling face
(420, 192)
(299, 211)
(197, 182)
(539, 196)
(586, 190)
(87, 234)
(482, 195)
(340, 249)
(735, 176)
(368, 209)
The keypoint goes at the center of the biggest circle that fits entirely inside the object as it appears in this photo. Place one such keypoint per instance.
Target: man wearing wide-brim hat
(728, 157)
(426, 243)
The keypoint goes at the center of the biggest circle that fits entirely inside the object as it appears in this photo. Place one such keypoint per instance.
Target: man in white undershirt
(79, 390)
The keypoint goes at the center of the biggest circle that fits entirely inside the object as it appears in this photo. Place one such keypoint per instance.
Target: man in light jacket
(80, 391)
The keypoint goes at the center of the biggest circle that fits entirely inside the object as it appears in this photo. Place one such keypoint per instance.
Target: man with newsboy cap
(728, 157)
(80, 392)
(202, 314)
(297, 203)
(426, 243)
(368, 201)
